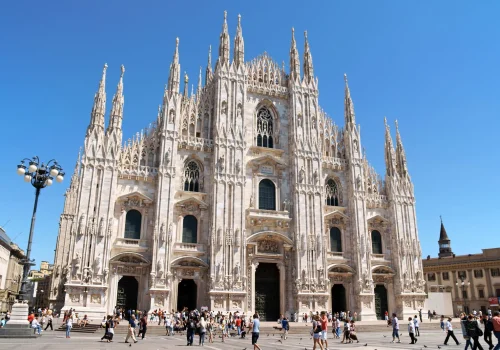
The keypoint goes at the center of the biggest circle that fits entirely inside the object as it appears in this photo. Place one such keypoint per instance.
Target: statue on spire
(99, 107)
(308, 65)
(239, 48)
(116, 116)
(349, 116)
(224, 44)
(175, 71)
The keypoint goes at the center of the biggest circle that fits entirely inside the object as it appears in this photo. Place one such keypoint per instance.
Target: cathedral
(242, 195)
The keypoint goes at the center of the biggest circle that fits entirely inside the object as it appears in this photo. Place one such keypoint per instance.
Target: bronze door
(267, 292)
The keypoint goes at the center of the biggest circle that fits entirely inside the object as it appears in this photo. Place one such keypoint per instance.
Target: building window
(331, 191)
(481, 293)
(478, 273)
(446, 276)
(464, 294)
(462, 274)
(431, 276)
(265, 128)
(190, 229)
(133, 225)
(495, 272)
(335, 240)
(267, 195)
(192, 177)
(497, 291)
(376, 242)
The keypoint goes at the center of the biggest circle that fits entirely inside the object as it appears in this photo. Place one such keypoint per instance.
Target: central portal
(128, 289)
(380, 301)
(267, 292)
(338, 298)
(187, 293)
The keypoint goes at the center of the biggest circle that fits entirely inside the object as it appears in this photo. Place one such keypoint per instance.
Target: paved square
(375, 340)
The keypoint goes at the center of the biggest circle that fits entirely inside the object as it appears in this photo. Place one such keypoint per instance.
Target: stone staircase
(88, 329)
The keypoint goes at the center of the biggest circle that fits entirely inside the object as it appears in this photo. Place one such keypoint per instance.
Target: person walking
(202, 326)
(449, 332)
(411, 330)
(190, 329)
(144, 325)
(353, 334)
(429, 315)
(473, 331)
(131, 328)
(395, 328)
(69, 324)
(496, 328)
(416, 323)
(441, 323)
(255, 326)
(420, 314)
(49, 322)
(488, 330)
(316, 332)
(324, 329)
(285, 327)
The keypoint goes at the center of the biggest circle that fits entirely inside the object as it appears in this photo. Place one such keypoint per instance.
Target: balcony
(195, 143)
(137, 171)
(129, 244)
(334, 163)
(268, 218)
(374, 200)
(192, 248)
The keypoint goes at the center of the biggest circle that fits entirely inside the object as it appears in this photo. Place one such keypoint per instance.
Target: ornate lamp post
(40, 175)
(464, 284)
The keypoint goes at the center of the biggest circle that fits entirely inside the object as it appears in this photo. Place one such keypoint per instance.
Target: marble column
(470, 278)
(282, 270)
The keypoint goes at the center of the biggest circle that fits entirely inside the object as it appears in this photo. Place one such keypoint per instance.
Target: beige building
(11, 271)
(472, 279)
(243, 195)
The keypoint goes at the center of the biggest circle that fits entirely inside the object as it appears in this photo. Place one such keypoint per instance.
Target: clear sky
(433, 65)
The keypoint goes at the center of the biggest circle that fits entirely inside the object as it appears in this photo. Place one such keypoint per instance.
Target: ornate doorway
(187, 292)
(128, 289)
(267, 291)
(381, 305)
(338, 298)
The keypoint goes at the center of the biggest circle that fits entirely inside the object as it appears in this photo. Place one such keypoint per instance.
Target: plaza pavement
(378, 340)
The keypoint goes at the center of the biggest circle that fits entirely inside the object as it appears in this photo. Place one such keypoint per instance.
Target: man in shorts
(324, 330)
(255, 325)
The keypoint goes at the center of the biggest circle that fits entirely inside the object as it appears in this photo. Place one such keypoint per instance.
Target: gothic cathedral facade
(243, 195)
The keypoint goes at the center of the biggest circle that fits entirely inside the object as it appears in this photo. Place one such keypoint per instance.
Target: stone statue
(251, 201)
(238, 166)
(81, 225)
(219, 271)
(286, 205)
(358, 183)
(101, 227)
(167, 157)
(221, 163)
(237, 272)
(97, 264)
(315, 176)
(159, 268)
(302, 175)
(321, 273)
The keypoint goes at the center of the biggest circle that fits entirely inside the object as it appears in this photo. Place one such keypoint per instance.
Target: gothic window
(192, 177)
(335, 240)
(264, 128)
(133, 225)
(332, 194)
(267, 195)
(190, 229)
(376, 242)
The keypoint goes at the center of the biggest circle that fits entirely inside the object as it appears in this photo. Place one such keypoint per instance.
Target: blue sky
(432, 65)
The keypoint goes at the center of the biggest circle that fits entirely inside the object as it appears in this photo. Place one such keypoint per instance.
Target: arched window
(331, 192)
(190, 229)
(192, 177)
(335, 240)
(376, 242)
(264, 128)
(133, 225)
(267, 195)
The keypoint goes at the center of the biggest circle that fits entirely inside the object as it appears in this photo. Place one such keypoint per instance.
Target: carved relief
(268, 246)
(95, 298)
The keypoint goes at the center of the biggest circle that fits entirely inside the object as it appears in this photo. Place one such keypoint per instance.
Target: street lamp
(40, 175)
(464, 285)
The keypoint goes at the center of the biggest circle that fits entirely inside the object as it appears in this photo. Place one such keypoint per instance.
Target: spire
(349, 117)
(115, 119)
(76, 171)
(400, 154)
(99, 107)
(390, 158)
(444, 242)
(239, 46)
(308, 63)
(175, 71)
(208, 73)
(224, 43)
(186, 85)
(294, 59)
(198, 91)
